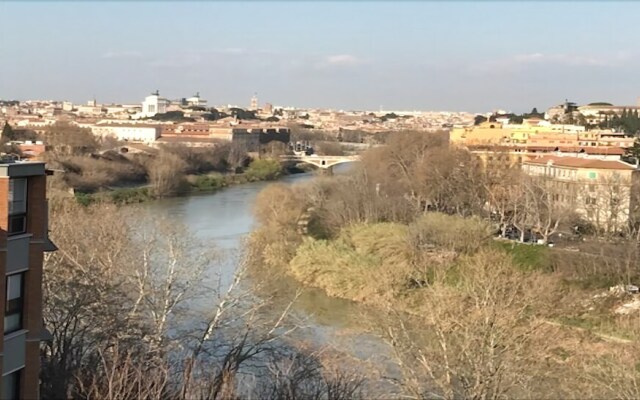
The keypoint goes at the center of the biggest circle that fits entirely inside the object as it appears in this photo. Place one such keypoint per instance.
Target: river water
(225, 218)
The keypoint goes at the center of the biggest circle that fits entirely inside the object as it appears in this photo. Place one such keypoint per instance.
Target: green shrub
(527, 257)
(449, 232)
(367, 262)
(84, 199)
(209, 182)
(263, 170)
(130, 195)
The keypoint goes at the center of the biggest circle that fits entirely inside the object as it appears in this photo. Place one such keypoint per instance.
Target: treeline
(211, 114)
(628, 122)
(89, 165)
(413, 234)
(416, 173)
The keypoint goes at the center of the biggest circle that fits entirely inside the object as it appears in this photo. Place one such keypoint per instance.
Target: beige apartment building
(23, 241)
(602, 191)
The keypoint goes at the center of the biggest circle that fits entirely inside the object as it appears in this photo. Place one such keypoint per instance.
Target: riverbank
(442, 285)
(387, 264)
(193, 184)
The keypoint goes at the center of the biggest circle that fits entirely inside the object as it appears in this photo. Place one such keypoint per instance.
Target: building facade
(23, 241)
(154, 104)
(128, 132)
(603, 192)
(196, 101)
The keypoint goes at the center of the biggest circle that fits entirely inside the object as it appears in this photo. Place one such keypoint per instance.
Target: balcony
(14, 351)
(18, 252)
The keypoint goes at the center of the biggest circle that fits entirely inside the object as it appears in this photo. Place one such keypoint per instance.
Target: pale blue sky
(473, 56)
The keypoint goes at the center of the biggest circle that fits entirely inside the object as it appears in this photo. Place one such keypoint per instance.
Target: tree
(176, 116)
(634, 151)
(243, 114)
(478, 119)
(264, 169)
(503, 192)
(7, 132)
(67, 139)
(476, 336)
(541, 211)
(238, 157)
(119, 301)
(213, 114)
(166, 174)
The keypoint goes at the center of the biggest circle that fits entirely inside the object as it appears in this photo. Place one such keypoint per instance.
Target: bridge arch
(322, 162)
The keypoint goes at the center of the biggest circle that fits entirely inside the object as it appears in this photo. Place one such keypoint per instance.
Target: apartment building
(23, 241)
(603, 192)
(503, 157)
(495, 133)
(128, 132)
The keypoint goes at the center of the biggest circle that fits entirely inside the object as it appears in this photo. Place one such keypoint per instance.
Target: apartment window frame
(14, 306)
(15, 379)
(18, 207)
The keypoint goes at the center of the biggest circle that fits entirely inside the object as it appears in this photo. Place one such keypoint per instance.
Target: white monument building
(153, 104)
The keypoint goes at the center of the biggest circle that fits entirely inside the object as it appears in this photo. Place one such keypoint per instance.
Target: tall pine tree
(7, 132)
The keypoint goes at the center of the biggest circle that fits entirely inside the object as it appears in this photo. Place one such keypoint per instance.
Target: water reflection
(224, 219)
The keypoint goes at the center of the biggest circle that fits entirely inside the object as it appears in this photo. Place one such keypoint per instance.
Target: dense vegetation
(97, 171)
(466, 313)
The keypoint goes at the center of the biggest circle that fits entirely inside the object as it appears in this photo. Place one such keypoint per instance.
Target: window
(591, 200)
(13, 307)
(593, 175)
(17, 206)
(592, 188)
(11, 385)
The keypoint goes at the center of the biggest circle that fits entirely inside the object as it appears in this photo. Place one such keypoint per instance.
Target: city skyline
(457, 56)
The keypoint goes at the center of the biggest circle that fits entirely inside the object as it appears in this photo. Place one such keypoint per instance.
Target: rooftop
(578, 162)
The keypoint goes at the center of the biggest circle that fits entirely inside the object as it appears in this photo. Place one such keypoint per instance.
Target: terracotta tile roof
(578, 162)
(601, 150)
(125, 126)
(187, 139)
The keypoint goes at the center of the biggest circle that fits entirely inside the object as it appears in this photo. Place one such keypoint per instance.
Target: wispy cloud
(339, 61)
(122, 54)
(343, 59)
(206, 57)
(231, 50)
(538, 59)
(562, 59)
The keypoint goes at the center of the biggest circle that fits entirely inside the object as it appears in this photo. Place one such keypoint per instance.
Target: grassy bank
(258, 170)
(395, 264)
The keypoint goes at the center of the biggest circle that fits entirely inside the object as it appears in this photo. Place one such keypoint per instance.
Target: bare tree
(475, 339)
(124, 304)
(166, 174)
(544, 212)
(67, 139)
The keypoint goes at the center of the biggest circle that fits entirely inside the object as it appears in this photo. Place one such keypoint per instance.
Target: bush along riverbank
(258, 170)
(455, 304)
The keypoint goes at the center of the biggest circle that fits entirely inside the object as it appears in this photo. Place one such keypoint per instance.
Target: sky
(352, 55)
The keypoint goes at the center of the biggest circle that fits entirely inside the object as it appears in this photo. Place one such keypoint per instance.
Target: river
(225, 218)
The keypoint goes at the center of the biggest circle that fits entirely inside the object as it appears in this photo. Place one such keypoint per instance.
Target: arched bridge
(323, 162)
